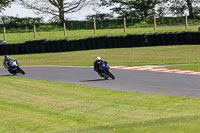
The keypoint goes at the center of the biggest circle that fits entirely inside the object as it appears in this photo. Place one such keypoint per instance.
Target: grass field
(41, 106)
(35, 106)
(77, 34)
(187, 55)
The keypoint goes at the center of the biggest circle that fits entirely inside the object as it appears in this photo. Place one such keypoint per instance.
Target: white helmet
(98, 58)
(6, 57)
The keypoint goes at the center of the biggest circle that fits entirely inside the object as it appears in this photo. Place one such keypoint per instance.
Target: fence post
(186, 22)
(64, 29)
(95, 28)
(34, 31)
(124, 24)
(154, 21)
(4, 33)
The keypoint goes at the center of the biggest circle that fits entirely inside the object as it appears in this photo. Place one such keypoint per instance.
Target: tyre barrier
(89, 43)
(192, 37)
(52, 46)
(181, 38)
(121, 41)
(136, 40)
(9, 49)
(99, 42)
(140, 40)
(132, 40)
(35, 46)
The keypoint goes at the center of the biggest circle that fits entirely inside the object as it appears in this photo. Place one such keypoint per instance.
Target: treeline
(17, 22)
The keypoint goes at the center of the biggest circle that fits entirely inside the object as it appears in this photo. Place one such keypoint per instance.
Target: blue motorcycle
(105, 71)
(14, 67)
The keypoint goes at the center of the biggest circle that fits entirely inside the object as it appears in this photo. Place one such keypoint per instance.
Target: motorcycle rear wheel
(105, 78)
(12, 71)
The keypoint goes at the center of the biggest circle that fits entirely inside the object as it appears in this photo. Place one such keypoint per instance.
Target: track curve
(147, 82)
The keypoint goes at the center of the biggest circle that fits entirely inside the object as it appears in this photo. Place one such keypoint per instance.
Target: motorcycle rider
(12, 65)
(99, 62)
(7, 61)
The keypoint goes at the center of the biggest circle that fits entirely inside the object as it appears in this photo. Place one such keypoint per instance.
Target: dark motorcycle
(14, 68)
(105, 71)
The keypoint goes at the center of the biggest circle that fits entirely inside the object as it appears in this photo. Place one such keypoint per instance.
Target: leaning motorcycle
(105, 71)
(14, 68)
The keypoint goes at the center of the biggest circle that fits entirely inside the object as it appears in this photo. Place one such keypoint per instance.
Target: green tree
(135, 8)
(190, 8)
(4, 4)
(146, 8)
(179, 7)
(100, 16)
(57, 8)
(193, 7)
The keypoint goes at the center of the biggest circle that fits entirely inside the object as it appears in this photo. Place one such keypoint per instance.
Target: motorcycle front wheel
(111, 75)
(20, 70)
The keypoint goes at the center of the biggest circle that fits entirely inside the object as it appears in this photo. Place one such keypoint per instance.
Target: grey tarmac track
(147, 82)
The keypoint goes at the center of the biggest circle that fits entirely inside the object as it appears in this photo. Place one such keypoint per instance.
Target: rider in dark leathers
(99, 62)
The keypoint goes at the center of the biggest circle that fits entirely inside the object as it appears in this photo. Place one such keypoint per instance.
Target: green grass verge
(179, 54)
(28, 105)
(78, 34)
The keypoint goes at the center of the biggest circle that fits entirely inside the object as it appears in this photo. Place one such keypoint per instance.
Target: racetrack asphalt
(140, 81)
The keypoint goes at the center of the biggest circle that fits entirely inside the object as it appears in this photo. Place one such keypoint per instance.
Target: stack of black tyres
(28, 47)
(157, 39)
(140, 40)
(42, 45)
(130, 40)
(181, 38)
(17, 48)
(120, 41)
(99, 42)
(135, 40)
(73, 45)
(192, 37)
(8, 49)
(198, 36)
(109, 42)
(51, 46)
(81, 44)
(164, 38)
(150, 40)
(1, 49)
(170, 38)
(89, 43)
(65, 45)
(115, 42)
